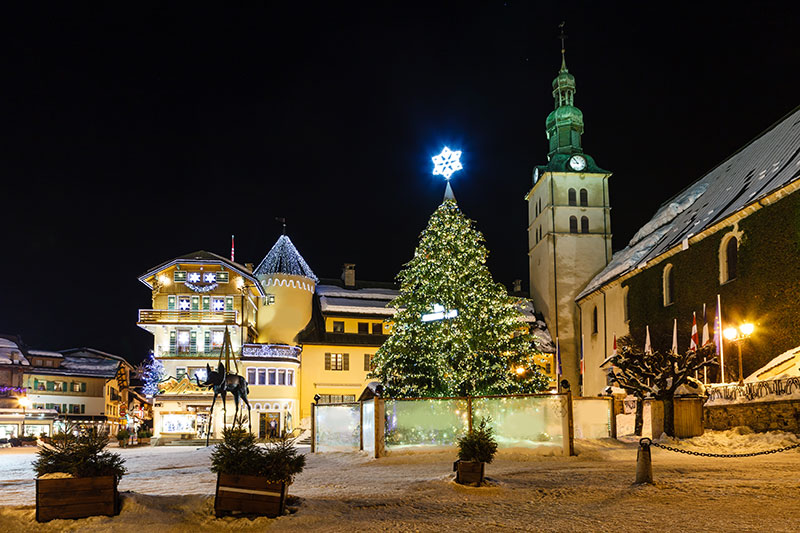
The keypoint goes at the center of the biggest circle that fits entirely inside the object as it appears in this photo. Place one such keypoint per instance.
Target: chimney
(349, 275)
(517, 285)
(249, 266)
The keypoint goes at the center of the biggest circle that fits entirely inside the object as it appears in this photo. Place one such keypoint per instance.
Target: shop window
(377, 328)
(573, 224)
(338, 327)
(571, 196)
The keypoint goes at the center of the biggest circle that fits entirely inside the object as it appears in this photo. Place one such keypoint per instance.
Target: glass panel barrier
(337, 427)
(524, 421)
(368, 426)
(591, 418)
(425, 422)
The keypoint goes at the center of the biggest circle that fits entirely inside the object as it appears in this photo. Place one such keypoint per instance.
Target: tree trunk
(639, 419)
(669, 415)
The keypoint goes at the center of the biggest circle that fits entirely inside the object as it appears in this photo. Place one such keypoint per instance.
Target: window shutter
(229, 303)
(206, 303)
(35, 384)
(170, 302)
(195, 303)
(173, 341)
(346, 361)
(83, 387)
(327, 361)
(51, 385)
(207, 341)
(193, 341)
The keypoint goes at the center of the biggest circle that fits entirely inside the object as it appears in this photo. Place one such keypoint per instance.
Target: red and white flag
(675, 336)
(232, 248)
(695, 339)
(615, 344)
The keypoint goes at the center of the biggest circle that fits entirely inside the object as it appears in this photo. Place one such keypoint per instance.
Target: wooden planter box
(144, 441)
(249, 494)
(469, 472)
(76, 497)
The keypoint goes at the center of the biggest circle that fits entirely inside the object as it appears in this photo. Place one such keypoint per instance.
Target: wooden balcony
(173, 316)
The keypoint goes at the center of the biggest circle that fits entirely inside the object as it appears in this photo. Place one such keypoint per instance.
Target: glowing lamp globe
(520, 370)
(747, 329)
(730, 333)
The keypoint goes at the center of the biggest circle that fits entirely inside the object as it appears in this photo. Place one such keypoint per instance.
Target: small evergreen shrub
(123, 435)
(478, 444)
(238, 454)
(144, 433)
(81, 455)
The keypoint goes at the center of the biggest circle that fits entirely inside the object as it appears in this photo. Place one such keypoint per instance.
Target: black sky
(130, 137)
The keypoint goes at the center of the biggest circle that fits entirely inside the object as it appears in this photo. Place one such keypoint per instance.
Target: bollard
(644, 467)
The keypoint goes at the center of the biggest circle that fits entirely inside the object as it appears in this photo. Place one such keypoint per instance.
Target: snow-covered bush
(238, 454)
(478, 444)
(80, 454)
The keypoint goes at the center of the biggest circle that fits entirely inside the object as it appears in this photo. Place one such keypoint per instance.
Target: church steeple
(564, 125)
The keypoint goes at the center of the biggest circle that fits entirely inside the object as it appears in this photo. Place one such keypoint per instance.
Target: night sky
(131, 137)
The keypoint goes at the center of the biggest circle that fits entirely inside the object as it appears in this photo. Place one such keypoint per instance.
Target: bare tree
(657, 375)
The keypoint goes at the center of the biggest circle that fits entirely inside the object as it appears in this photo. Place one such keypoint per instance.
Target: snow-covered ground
(172, 491)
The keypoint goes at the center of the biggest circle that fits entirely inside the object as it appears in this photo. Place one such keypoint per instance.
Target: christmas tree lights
(152, 373)
(478, 350)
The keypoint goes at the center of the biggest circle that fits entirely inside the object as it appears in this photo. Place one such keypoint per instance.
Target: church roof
(768, 163)
(284, 258)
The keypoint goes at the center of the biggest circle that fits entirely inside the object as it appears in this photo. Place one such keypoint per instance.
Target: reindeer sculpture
(223, 383)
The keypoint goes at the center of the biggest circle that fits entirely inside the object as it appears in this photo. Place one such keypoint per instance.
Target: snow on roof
(785, 365)
(367, 293)
(45, 353)
(767, 164)
(332, 304)
(85, 364)
(283, 258)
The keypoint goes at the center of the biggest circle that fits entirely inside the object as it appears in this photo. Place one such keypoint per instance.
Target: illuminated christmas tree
(456, 332)
(151, 373)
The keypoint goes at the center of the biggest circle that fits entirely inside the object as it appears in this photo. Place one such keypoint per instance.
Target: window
(337, 361)
(48, 362)
(251, 376)
(730, 269)
(229, 303)
(184, 303)
(540, 205)
(217, 336)
(171, 302)
(281, 376)
(271, 373)
(198, 372)
(183, 340)
(668, 286)
(594, 320)
(180, 372)
(584, 224)
(573, 224)
(77, 386)
(222, 277)
(571, 195)
(625, 305)
(290, 378)
(262, 376)
(179, 276)
(195, 303)
(336, 398)
(368, 366)
(60, 386)
(584, 198)
(363, 328)
(218, 304)
(377, 328)
(338, 327)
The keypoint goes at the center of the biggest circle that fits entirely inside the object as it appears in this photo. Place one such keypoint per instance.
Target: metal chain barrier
(706, 454)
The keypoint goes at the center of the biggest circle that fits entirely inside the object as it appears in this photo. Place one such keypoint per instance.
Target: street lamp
(25, 403)
(737, 336)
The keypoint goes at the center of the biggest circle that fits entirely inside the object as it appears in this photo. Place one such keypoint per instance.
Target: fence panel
(337, 427)
(425, 422)
(368, 426)
(524, 421)
(592, 418)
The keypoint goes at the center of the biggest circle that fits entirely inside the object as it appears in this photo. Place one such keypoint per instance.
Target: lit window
(183, 341)
(180, 372)
(217, 336)
(271, 376)
(368, 362)
(338, 327)
(335, 361)
(281, 377)
(262, 376)
(184, 303)
(209, 277)
(218, 304)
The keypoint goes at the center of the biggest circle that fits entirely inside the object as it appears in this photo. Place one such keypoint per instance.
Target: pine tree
(484, 349)
(151, 372)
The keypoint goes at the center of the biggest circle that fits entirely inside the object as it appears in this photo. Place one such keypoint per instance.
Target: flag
(695, 339)
(705, 327)
(675, 336)
(583, 369)
(231, 248)
(615, 344)
(648, 349)
(558, 358)
(718, 339)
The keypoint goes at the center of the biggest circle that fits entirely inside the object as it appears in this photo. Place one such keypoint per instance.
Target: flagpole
(705, 340)
(721, 354)
(558, 367)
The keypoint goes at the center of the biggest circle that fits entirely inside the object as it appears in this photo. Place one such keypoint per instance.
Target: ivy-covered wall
(766, 291)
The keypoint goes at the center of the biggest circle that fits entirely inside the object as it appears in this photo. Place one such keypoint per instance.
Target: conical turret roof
(284, 258)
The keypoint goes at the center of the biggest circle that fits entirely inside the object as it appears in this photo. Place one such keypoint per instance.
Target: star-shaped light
(447, 163)
(194, 277)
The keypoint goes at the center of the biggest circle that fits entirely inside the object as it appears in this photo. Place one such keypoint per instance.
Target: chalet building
(733, 233)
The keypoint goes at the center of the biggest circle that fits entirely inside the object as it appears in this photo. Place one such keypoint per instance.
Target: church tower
(569, 225)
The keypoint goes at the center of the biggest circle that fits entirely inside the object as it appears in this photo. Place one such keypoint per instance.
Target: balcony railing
(173, 316)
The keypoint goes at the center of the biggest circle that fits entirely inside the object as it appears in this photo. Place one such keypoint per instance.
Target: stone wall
(759, 416)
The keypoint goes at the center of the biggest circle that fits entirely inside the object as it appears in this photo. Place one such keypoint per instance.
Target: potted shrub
(475, 449)
(76, 478)
(122, 437)
(144, 436)
(250, 478)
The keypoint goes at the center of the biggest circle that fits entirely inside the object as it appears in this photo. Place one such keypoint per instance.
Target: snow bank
(740, 439)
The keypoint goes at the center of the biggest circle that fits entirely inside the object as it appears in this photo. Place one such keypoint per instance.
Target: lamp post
(737, 336)
(24, 402)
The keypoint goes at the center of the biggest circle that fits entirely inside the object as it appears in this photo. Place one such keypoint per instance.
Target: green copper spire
(564, 125)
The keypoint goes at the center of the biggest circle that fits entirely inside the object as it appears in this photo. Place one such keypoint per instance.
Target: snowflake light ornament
(447, 163)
